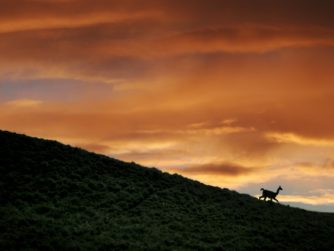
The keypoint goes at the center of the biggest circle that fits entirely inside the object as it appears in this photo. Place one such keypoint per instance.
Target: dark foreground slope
(55, 197)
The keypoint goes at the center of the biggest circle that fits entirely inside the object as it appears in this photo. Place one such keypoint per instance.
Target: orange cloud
(176, 83)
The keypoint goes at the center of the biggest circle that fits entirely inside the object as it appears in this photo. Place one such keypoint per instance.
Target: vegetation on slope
(56, 197)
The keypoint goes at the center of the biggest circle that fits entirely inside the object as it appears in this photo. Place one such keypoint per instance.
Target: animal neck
(277, 191)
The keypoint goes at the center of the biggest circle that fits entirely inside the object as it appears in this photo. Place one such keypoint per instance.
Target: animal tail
(261, 189)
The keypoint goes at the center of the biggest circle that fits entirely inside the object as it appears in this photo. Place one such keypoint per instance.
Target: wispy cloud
(297, 139)
(313, 200)
(24, 103)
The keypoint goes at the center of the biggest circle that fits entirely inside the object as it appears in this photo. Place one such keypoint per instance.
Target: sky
(235, 94)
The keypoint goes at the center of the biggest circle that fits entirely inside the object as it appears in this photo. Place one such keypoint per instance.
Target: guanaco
(270, 194)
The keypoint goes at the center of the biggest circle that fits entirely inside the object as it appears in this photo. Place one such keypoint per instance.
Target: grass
(56, 197)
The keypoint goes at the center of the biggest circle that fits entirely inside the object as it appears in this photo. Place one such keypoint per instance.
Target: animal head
(280, 188)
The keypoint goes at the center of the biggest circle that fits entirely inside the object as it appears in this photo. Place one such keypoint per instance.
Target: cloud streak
(225, 169)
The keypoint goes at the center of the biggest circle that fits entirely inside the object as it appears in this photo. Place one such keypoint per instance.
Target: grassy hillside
(56, 197)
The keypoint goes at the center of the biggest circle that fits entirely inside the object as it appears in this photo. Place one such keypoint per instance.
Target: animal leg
(276, 200)
(260, 197)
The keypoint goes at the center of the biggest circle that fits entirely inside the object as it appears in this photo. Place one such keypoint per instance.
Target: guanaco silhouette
(270, 194)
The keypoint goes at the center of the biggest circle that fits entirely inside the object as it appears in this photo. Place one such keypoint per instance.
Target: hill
(57, 197)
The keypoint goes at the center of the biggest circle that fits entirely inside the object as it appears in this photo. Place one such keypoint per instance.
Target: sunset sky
(233, 93)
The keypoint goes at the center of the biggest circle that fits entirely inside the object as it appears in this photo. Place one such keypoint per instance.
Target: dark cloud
(213, 11)
(228, 169)
(53, 89)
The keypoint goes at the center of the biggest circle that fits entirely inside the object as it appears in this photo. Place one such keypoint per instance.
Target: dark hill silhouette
(57, 197)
